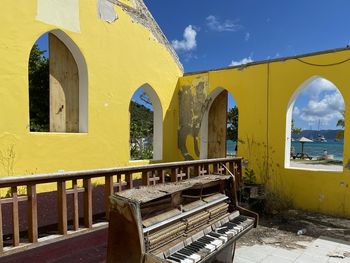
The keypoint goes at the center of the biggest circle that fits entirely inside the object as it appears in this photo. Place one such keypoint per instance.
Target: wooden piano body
(168, 222)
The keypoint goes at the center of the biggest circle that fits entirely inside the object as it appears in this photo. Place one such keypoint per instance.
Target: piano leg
(226, 255)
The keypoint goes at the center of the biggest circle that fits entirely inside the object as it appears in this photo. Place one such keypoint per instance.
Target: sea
(336, 148)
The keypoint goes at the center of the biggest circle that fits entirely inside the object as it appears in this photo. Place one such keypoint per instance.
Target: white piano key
(194, 257)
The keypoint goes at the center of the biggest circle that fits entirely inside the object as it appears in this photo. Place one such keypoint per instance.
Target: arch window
(57, 85)
(146, 125)
(315, 127)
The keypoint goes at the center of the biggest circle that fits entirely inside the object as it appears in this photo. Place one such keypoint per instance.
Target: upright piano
(195, 220)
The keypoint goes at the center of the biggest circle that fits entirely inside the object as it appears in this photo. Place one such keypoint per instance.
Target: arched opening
(146, 125)
(315, 127)
(58, 85)
(219, 127)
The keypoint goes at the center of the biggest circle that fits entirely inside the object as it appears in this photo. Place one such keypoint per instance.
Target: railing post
(129, 181)
(62, 207)
(188, 170)
(174, 174)
(75, 205)
(119, 182)
(32, 214)
(145, 178)
(1, 231)
(15, 216)
(87, 203)
(161, 175)
(108, 192)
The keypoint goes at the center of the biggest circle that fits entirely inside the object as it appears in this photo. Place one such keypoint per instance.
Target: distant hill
(328, 134)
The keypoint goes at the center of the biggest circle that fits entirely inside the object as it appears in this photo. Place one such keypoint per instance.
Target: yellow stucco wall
(124, 55)
(120, 57)
(262, 93)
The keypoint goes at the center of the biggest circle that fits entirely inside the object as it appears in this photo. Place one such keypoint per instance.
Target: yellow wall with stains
(124, 55)
(120, 57)
(262, 92)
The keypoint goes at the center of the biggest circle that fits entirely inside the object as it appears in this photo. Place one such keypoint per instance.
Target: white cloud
(317, 86)
(296, 111)
(324, 110)
(214, 24)
(247, 36)
(189, 41)
(242, 61)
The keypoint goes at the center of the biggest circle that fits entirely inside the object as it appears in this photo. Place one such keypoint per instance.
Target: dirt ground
(281, 230)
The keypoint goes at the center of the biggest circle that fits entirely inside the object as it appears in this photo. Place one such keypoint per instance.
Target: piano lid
(147, 193)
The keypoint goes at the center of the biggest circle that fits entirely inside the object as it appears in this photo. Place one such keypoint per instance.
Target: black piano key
(223, 231)
(174, 259)
(193, 248)
(214, 234)
(207, 238)
(177, 255)
(198, 244)
(185, 252)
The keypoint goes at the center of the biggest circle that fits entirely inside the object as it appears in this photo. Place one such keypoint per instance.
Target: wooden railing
(115, 179)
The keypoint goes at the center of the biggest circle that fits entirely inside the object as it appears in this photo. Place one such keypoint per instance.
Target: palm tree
(341, 123)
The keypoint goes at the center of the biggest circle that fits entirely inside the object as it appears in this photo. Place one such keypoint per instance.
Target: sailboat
(320, 137)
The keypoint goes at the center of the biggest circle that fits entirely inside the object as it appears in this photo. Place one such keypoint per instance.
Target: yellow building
(108, 52)
(113, 59)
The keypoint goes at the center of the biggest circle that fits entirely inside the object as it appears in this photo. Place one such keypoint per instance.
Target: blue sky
(231, 30)
(319, 106)
(213, 34)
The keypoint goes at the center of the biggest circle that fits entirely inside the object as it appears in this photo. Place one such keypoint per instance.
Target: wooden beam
(75, 204)
(32, 214)
(15, 216)
(87, 203)
(1, 231)
(62, 207)
(129, 181)
(109, 190)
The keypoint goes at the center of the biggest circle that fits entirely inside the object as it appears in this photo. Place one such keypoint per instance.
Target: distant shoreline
(316, 165)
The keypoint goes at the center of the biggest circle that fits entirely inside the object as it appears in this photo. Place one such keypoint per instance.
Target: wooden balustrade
(134, 176)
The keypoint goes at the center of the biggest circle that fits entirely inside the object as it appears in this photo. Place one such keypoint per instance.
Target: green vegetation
(341, 123)
(295, 131)
(38, 69)
(249, 176)
(141, 132)
(232, 124)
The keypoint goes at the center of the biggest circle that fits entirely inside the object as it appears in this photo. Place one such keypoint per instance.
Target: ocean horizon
(314, 149)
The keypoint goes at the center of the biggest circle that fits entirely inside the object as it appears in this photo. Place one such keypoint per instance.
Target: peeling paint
(193, 102)
(61, 13)
(322, 197)
(141, 15)
(105, 11)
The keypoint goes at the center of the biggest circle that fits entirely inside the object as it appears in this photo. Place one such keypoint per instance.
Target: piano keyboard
(206, 242)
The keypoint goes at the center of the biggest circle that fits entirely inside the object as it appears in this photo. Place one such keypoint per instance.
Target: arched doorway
(219, 127)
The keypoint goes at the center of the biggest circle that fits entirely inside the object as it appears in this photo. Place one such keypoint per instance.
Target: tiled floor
(321, 250)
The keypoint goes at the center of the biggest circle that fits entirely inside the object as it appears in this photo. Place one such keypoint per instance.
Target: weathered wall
(262, 92)
(120, 57)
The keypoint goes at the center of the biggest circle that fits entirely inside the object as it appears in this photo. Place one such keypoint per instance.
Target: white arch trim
(83, 78)
(157, 122)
